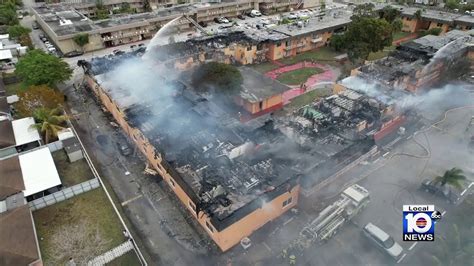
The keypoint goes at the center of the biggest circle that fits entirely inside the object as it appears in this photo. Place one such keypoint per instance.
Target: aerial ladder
(199, 27)
(299, 4)
(329, 220)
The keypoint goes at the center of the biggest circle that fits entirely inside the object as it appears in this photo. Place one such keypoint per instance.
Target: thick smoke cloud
(430, 103)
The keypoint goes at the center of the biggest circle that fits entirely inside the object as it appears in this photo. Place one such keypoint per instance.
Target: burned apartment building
(233, 176)
(243, 45)
(420, 63)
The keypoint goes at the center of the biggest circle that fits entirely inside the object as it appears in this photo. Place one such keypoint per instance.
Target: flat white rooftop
(39, 171)
(24, 131)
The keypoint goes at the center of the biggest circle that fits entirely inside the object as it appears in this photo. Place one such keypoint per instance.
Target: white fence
(54, 146)
(64, 194)
(112, 254)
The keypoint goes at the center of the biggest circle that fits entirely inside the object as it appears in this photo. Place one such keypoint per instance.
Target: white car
(255, 13)
(383, 241)
(292, 16)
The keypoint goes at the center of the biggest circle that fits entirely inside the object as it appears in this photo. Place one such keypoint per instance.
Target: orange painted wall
(246, 226)
(231, 235)
(444, 27)
(409, 25)
(255, 107)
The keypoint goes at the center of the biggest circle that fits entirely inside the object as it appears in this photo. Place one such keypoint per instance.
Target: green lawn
(298, 76)
(264, 67)
(309, 97)
(82, 227)
(320, 54)
(71, 173)
(400, 35)
(380, 54)
(14, 88)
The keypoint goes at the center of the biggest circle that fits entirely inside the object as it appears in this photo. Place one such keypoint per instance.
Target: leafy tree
(452, 177)
(433, 31)
(16, 31)
(222, 77)
(81, 39)
(418, 14)
(101, 10)
(366, 35)
(25, 40)
(390, 14)
(452, 4)
(147, 6)
(363, 11)
(37, 67)
(8, 13)
(36, 97)
(338, 42)
(323, 5)
(49, 122)
(397, 25)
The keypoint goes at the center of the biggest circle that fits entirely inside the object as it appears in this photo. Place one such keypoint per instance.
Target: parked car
(430, 186)
(35, 25)
(141, 45)
(41, 36)
(241, 17)
(118, 52)
(124, 148)
(44, 39)
(133, 47)
(221, 20)
(292, 16)
(383, 241)
(203, 24)
(73, 54)
(255, 13)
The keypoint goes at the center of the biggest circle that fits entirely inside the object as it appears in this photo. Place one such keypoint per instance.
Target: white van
(383, 241)
(255, 13)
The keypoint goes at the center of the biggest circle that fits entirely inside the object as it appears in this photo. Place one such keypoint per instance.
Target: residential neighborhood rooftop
(257, 87)
(19, 245)
(11, 181)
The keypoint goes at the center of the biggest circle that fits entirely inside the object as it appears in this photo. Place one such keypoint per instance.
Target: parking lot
(393, 180)
(396, 183)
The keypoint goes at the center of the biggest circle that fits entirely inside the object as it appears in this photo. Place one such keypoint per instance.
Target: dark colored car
(241, 17)
(118, 52)
(124, 148)
(202, 24)
(430, 186)
(73, 54)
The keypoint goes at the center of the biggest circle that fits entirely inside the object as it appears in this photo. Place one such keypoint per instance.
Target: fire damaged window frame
(287, 202)
(210, 227)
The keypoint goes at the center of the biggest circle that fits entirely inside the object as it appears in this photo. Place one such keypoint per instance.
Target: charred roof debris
(419, 63)
(230, 166)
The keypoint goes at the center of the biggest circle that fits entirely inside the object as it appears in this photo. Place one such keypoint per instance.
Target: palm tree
(456, 248)
(452, 177)
(49, 122)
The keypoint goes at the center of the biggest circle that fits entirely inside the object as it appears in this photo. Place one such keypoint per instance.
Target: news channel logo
(419, 222)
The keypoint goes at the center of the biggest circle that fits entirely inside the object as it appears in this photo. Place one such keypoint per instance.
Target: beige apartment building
(62, 22)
